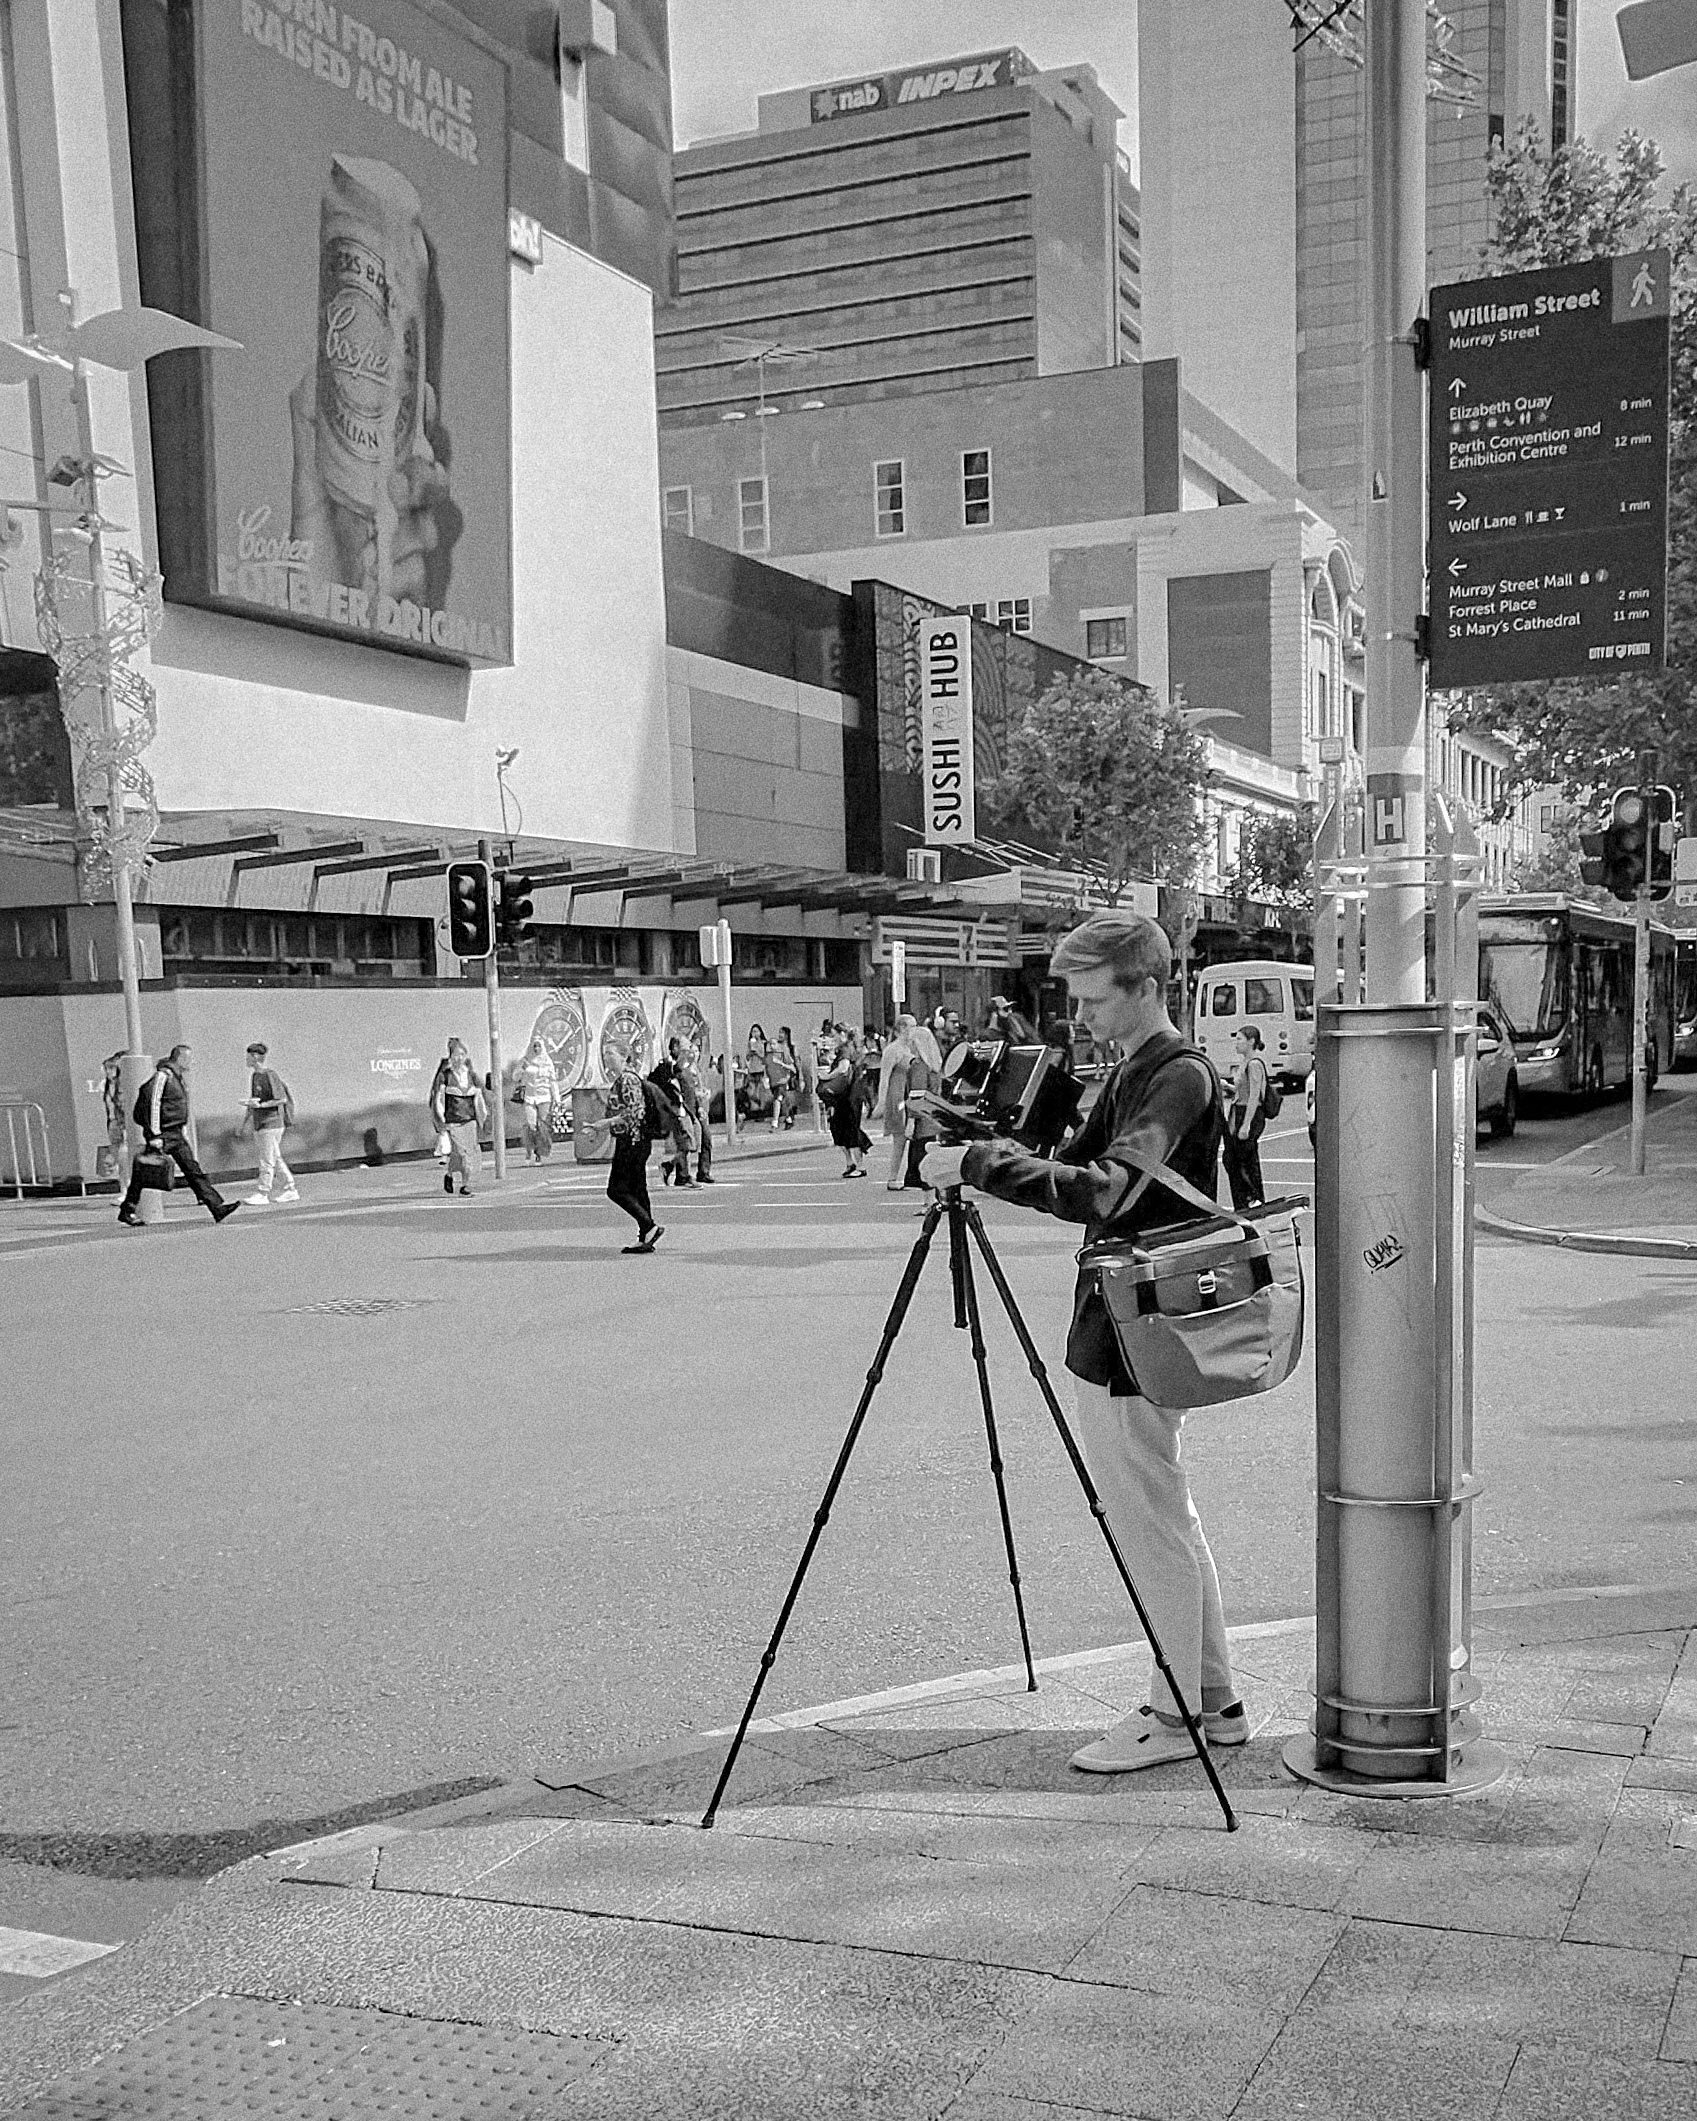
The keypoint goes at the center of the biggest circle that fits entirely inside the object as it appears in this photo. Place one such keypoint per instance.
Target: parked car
(1496, 1079)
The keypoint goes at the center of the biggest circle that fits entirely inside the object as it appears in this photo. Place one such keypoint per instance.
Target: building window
(1013, 614)
(1546, 817)
(1322, 704)
(1104, 639)
(679, 510)
(751, 505)
(888, 493)
(975, 487)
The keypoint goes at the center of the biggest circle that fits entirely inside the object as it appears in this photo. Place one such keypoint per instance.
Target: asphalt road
(269, 1558)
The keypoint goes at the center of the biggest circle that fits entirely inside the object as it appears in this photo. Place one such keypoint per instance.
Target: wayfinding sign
(1548, 472)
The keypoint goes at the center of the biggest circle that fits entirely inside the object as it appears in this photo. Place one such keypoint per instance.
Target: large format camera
(994, 1089)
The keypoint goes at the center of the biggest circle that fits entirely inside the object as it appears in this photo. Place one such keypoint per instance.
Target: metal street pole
(730, 1068)
(1395, 707)
(1640, 1015)
(492, 994)
(129, 975)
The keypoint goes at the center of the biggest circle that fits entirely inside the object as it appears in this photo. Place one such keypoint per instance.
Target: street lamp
(95, 650)
(755, 354)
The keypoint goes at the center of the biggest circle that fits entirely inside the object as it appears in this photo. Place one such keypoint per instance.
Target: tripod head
(994, 1089)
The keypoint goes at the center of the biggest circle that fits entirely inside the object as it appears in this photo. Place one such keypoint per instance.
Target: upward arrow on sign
(1458, 389)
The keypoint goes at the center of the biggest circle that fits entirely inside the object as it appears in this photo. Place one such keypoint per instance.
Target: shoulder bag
(1204, 1311)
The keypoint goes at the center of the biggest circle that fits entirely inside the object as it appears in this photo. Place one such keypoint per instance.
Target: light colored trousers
(1132, 1450)
(465, 1155)
(271, 1164)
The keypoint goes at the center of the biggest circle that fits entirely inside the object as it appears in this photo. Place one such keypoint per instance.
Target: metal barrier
(23, 1167)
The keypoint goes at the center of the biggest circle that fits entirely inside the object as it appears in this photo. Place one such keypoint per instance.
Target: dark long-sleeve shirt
(1162, 1105)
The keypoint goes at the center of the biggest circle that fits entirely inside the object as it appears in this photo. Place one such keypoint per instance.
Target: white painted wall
(253, 717)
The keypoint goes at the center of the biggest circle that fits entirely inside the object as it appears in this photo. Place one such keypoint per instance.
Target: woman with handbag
(1246, 1118)
(782, 1073)
(536, 1098)
(841, 1090)
(459, 1108)
(1158, 1112)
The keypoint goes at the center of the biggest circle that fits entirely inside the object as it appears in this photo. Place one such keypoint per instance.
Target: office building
(967, 223)
(1254, 203)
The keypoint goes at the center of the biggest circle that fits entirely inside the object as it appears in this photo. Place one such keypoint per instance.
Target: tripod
(963, 1216)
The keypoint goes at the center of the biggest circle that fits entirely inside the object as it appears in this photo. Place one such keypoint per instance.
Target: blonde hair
(1132, 947)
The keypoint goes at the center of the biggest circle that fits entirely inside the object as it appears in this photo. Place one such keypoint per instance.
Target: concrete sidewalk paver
(1590, 1199)
(915, 1908)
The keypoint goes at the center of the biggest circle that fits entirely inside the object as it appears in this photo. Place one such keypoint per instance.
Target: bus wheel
(1502, 1126)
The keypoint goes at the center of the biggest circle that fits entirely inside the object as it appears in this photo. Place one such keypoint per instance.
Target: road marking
(37, 1955)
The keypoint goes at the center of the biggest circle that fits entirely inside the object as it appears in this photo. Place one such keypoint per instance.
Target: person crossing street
(162, 1113)
(270, 1111)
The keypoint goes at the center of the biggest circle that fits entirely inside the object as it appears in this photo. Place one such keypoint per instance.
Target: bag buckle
(1207, 1287)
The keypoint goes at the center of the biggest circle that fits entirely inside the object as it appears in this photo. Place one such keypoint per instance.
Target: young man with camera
(1160, 1105)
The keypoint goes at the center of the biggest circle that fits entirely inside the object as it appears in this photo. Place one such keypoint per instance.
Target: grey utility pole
(492, 993)
(1393, 1269)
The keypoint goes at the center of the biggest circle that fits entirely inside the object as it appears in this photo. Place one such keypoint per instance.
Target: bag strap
(1156, 1172)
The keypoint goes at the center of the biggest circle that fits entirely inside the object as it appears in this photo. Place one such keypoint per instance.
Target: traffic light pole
(492, 993)
(1640, 1023)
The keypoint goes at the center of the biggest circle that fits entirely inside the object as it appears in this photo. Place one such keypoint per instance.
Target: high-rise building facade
(966, 223)
(1254, 204)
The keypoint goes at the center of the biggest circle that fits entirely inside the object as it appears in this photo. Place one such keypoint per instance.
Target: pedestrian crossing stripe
(37, 1955)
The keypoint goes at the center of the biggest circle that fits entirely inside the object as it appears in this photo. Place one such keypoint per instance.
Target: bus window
(1224, 1002)
(1263, 997)
(1302, 1000)
(1526, 981)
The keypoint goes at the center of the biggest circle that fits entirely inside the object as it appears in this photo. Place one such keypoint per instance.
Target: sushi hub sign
(945, 724)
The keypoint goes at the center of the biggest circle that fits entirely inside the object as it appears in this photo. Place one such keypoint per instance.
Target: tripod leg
(962, 1260)
(822, 1516)
(975, 1223)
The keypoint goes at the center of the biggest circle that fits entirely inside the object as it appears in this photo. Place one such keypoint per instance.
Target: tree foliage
(1109, 777)
(1275, 859)
(1581, 734)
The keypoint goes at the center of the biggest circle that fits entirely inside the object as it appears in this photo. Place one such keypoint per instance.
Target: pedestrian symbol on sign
(1644, 288)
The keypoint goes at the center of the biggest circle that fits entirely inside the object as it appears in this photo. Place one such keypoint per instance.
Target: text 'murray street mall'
(1548, 472)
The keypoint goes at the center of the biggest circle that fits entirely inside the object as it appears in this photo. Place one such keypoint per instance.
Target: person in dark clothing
(1246, 1118)
(1159, 1106)
(163, 1110)
(627, 1121)
(668, 1075)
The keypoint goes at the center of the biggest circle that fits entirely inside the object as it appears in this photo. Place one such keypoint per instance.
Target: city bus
(1560, 974)
(1685, 1001)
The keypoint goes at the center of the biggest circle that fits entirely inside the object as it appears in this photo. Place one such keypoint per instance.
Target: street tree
(1275, 859)
(1581, 734)
(1107, 775)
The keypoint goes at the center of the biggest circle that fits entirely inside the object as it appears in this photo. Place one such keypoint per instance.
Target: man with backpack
(162, 1114)
(632, 1125)
(1158, 1110)
(271, 1108)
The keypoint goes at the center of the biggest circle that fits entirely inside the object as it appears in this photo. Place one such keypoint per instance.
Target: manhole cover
(321, 2062)
(359, 1306)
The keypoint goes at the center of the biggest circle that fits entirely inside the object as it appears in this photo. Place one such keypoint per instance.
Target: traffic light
(469, 930)
(1664, 835)
(514, 910)
(1617, 858)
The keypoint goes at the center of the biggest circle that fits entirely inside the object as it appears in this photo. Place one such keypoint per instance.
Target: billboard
(349, 468)
(945, 730)
(873, 92)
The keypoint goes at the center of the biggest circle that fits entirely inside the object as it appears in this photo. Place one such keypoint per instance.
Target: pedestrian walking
(109, 1157)
(925, 1073)
(627, 1121)
(271, 1111)
(162, 1113)
(755, 1100)
(842, 1089)
(536, 1098)
(667, 1075)
(783, 1071)
(1160, 1105)
(1246, 1120)
(898, 1059)
(692, 1094)
(459, 1108)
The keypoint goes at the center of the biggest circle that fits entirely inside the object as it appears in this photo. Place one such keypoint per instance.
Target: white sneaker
(1141, 1741)
(257, 1200)
(292, 1194)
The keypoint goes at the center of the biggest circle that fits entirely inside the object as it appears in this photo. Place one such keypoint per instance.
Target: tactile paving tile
(235, 2058)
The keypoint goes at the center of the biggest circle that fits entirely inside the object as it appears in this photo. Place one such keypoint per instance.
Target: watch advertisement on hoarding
(354, 180)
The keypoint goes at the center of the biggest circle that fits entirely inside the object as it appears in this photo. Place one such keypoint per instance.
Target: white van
(1278, 999)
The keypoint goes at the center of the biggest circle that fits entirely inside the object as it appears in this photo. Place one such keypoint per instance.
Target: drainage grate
(234, 2055)
(359, 1306)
